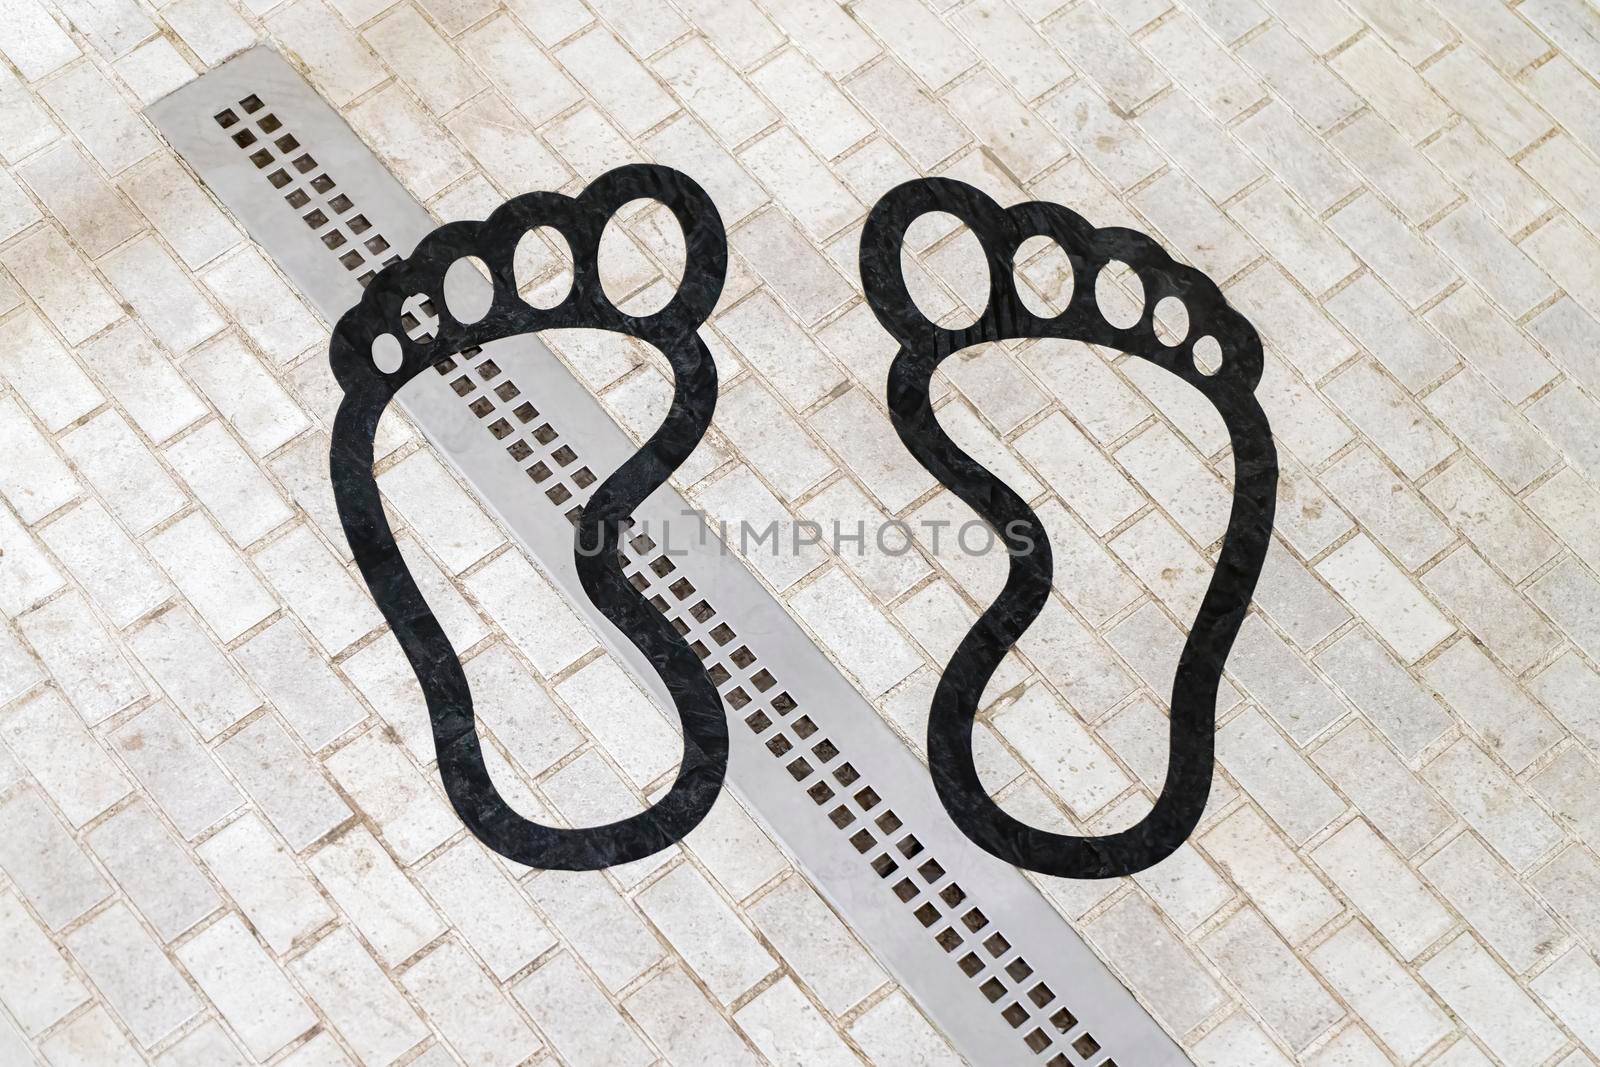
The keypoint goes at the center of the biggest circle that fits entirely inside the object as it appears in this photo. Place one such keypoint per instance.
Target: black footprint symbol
(1000, 232)
(602, 523)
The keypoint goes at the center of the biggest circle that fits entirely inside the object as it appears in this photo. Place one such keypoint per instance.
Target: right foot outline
(923, 345)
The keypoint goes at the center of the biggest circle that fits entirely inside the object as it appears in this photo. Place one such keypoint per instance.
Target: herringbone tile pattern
(223, 840)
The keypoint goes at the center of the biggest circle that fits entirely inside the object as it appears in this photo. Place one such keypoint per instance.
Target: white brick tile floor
(224, 836)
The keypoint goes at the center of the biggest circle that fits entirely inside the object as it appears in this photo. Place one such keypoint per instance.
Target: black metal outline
(599, 531)
(924, 345)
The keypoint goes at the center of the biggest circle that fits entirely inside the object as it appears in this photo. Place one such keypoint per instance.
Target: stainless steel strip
(989, 960)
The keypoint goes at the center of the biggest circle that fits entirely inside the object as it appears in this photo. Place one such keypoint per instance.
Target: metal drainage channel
(993, 965)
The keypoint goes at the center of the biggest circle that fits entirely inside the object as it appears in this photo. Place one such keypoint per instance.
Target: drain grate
(815, 762)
